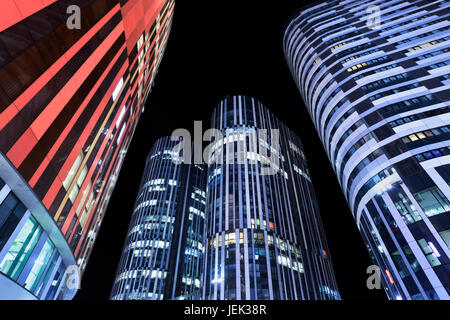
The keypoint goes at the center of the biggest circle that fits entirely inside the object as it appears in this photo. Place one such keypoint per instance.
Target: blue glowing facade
(378, 93)
(264, 236)
(163, 253)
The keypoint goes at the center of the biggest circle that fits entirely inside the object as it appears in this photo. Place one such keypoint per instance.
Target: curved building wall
(32, 262)
(264, 238)
(70, 99)
(163, 252)
(379, 98)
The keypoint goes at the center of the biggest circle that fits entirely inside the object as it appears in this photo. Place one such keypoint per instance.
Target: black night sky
(218, 48)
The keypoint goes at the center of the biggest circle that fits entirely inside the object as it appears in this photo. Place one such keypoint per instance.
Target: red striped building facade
(70, 100)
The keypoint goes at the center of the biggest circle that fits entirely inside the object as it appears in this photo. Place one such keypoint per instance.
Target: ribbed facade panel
(163, 253)
(264, 238)
(70, 100)
(378, 94)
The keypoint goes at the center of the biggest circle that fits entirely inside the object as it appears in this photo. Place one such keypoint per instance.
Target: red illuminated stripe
(132, 122)
(153, 9)
(148, 53)
(7, 115)
(27, 7)
(89, 175)
(20, 150)
(389, 276)
(153, 43)
(49, 114)
(81, 245)
(36, 86)
(42, 166)
(48, 2)
(22, 147)
(93, 213)
(57, 183)
(53, 191)
(93, 121)
(72, 121)
(9, 15)
(107, 175)
(133, 17)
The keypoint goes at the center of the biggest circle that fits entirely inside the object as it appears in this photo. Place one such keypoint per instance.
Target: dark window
(11, 211)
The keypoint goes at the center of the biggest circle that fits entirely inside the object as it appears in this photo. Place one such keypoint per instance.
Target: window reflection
(432, 201)
(39, 266)
(21, 249)
(11, 211)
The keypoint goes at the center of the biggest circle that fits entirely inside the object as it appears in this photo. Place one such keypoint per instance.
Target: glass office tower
(70, 99)
(264, 237)
(163, 252)
(374, 76)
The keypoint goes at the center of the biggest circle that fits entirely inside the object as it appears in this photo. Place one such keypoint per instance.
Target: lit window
(117, 89)
(421, 135)
(122, 113)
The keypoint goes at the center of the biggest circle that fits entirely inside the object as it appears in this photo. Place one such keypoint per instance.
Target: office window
(446, 237)
(432, 201)
(55, 283)
(430, 254)
(46, 276)
(11, 211)
(70, 176)
(39, 265)
(405, 208)
(21, 249)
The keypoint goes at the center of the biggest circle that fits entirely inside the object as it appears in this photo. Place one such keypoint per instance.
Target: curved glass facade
(70, 99)
(264, 238)
(30, 264)
(163, 252)
(377, 89)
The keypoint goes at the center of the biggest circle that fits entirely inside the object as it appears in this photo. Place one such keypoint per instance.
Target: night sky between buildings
(218, 48)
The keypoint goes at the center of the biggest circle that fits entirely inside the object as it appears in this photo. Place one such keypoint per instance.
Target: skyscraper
(374, 76)
(70, 99)
(264, 237)
(163, 252)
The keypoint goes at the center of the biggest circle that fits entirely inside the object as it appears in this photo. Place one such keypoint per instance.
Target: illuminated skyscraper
(376, 83)
(264, 237)
(70, 100)
(163, 252)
